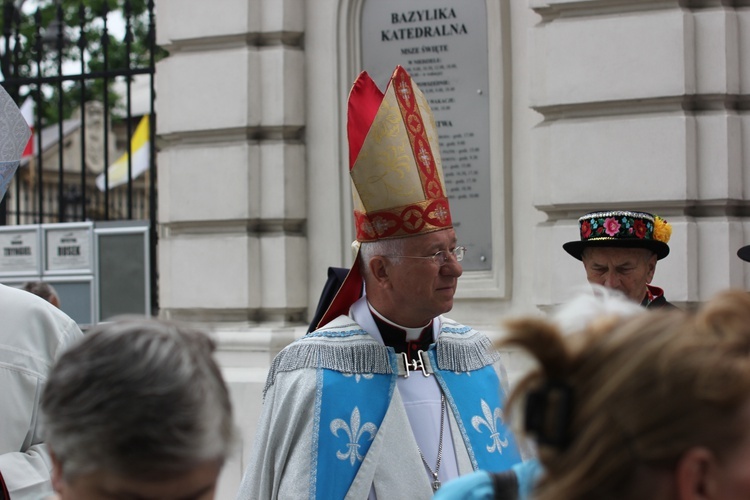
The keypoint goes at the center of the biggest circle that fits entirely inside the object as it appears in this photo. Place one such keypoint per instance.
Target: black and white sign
(443, 46)
(68, 249)
(20, 251)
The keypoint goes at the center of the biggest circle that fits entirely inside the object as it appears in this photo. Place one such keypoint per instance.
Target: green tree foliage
(34, 45)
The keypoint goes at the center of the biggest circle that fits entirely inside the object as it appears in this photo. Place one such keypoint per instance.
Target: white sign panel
(69, 249)
(443, 46)
(20, 252)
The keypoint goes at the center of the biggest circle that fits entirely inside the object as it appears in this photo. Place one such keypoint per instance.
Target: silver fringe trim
(456, 354)
(350, 358)
(465, 355)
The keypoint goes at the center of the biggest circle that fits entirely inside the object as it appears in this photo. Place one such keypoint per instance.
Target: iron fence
(52, 62)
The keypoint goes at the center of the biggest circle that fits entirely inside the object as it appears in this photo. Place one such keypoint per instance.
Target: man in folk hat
(387, 398)
(620, 249)
(32, 334)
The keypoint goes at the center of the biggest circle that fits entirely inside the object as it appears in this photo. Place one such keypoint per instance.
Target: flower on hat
(640, 228)
(585, 229)
(611, 226)
(662, 229)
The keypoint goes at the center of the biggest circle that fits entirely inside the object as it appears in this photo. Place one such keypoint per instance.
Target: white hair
(370, 249)
(591, 303)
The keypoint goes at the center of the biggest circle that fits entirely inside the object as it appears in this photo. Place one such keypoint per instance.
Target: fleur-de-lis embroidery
(354, 433)
(490, 421)
(358, 376)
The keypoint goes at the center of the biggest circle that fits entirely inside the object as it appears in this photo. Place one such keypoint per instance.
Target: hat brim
(661, 249)
(744, 253)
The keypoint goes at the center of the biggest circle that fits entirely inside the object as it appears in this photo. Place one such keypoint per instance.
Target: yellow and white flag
(139, 145)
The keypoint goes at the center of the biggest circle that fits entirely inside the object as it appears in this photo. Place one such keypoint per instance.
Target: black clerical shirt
(395, 337)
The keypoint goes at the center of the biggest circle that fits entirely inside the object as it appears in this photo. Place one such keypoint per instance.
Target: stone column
(232, 189)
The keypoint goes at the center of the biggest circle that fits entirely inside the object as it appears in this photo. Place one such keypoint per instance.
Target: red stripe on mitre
(420, 145)
(377, 225)
(410, 220)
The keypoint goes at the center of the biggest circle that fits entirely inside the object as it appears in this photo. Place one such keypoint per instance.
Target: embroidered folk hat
(398, 188)
(622, 229)
(14, 134)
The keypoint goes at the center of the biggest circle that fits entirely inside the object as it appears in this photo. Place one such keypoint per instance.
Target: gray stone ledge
(691, 208)
(271, 39)
(262, 227)
(293, 134)
(238, 318)
(552, 10)
(664, 104)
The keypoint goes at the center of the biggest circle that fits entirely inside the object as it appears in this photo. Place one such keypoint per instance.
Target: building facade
(593, 104)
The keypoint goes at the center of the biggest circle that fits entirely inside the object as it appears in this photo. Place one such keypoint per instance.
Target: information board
(443, 46)
(19, 251)
(68, 248)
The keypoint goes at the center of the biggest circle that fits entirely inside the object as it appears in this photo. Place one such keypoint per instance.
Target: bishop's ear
(697, 475)
(379, 270)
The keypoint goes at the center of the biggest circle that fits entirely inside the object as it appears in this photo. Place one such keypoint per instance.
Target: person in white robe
(32, 334)
(388, 398)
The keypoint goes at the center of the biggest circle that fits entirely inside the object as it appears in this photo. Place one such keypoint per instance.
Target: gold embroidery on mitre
(385, 174)
(367, 227)
(413, 219)
(434, 190)
(386, 127)
(416, 218)
(382, 225)
(440, 213)
(415, 124)
(412, 115)
(398, 187)
(431, 134)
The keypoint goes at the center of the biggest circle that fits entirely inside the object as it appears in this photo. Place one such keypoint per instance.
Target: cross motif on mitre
(404, 90)
(424, 157)
(440, 213)
(381, 225)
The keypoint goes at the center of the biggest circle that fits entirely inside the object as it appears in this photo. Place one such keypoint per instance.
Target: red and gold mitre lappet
(394, 161)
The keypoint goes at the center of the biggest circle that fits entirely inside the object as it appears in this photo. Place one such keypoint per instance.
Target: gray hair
(140, 398)
(370, 249)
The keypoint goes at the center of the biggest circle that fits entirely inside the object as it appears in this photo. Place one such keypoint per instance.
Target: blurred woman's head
(656, 405)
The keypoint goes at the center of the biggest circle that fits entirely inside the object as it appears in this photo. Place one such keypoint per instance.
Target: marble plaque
(443, 46)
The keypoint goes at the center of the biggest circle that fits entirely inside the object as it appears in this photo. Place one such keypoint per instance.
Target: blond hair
(626, 397)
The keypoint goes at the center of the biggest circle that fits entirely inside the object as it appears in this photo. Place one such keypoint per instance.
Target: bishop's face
(421, 289)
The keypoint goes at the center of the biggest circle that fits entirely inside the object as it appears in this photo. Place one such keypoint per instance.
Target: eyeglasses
(440, 258)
